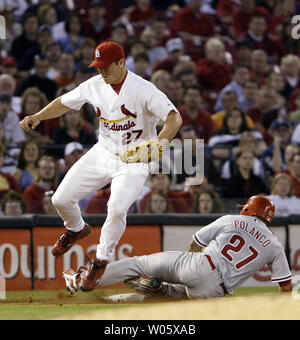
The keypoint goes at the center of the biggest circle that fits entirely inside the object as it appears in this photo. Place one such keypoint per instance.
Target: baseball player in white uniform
(223, 255)
(128, 108)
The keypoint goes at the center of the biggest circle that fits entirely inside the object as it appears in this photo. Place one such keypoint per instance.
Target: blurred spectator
(282, 195)
(157, 203)
(240, 75)
(294, 116)
(136, 47)
(187, 77)
(140, 14)
(208, 202)
(10, 159)
(66, 67)
(44, 38)
(160, 27)
(156, 53)
(266, 110)
(73, 152)
(191, 25)
(274, 156)
(48, 207)
(193, 114)
(39, 79)
(27, 39)
(97, 26)
(161, 184)
(13, 29)
(13, 204)
(174, 49)
(175, 92)
(293, 170)
(259, 67)
(120, 35)
(60, 11)
(243, 182)
(225, 142)
(259, 39)
(243, 53)
(47, 16)
(276, 80)
(9, 66)
(33, 100)
(250, 93)
(46, 180)
(10, 120)
(142, 64)
(7, 181)
(212, 71)
(290, 68)
(74, 29)
(27, 169)
(85, 53)
(161, 79)
(53, 53)
(243, 15)
(247, 142)
(8, 86)
(229, 102)
(72, 130)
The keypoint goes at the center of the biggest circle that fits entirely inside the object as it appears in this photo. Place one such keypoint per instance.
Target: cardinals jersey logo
(127, 112)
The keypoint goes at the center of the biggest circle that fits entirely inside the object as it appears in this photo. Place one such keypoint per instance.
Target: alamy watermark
(296, 29)
(2, 288)
(2, 27)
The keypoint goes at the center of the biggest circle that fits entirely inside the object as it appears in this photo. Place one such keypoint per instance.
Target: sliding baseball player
(128, 108)
(223, 256)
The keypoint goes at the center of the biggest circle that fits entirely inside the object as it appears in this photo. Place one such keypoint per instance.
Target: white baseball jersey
(241, 245)
(125, 118)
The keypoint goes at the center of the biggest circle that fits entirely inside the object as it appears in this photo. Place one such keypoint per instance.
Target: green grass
(40, 305)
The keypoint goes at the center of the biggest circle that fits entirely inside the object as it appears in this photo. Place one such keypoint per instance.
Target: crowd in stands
(231, 67)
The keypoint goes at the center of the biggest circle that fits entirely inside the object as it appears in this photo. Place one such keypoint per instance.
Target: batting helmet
(259, 206)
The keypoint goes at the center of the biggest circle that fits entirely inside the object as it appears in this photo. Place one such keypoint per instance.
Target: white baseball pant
(90, 173)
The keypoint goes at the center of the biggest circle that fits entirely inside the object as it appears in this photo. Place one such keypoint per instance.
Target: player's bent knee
(58, 201)
(116, 212)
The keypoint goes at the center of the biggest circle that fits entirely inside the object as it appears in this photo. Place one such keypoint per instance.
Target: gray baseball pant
(189, 274)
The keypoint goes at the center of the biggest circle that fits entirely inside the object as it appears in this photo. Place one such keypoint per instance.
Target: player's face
(113, 73)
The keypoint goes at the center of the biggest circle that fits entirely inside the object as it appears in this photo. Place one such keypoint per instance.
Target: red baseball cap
(106, 53)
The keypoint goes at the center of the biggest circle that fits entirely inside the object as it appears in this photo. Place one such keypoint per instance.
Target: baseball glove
(146, 152)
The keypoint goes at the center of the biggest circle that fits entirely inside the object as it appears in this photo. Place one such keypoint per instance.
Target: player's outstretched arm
(52, 110)
(171, 126)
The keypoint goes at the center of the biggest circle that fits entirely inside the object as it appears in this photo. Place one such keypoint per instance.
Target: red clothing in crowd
(11, 182)
(226, 8)
(33, 195)
(98, 203)
(185, 21)
(188, 199)
(203, 123)
(138, 15)
(165, 65)
(241, 20)
(212, 75)
(90, 31)
(178, 205)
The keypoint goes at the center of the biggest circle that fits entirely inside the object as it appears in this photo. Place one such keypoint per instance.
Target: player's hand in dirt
(29, 122)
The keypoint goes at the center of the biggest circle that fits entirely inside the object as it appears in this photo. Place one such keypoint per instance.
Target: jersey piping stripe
(282, 278)
(197, 241)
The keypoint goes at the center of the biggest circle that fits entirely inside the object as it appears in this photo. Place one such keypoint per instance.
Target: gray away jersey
(240, 246)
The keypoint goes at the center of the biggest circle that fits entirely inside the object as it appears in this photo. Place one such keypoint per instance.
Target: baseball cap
(106, 53)
(174, 45)
(9, 61)
(278, 123)
(72, 147)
